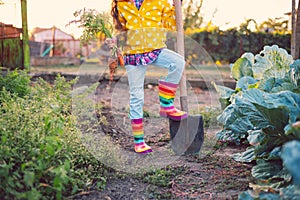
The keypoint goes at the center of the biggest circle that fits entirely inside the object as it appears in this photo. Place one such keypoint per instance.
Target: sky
(223, 13)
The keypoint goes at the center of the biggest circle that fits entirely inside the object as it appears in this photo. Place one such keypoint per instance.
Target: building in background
(48, 46)
(9, 31)
(11, 48)
(55, 42)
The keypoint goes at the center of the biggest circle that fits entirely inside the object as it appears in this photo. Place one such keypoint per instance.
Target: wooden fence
(11, 54)
(11, 49)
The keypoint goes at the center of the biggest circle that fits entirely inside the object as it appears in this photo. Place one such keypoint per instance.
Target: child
(146, 23)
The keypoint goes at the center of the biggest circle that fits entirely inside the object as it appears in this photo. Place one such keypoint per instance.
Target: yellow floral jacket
(146, 28)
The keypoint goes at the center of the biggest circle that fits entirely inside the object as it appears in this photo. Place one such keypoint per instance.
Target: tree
(293, 35)
(278, 25)
(192, 15)
(245, 26)
(297, 33)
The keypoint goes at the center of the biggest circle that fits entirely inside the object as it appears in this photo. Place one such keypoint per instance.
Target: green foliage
(224, 94)
(295, 73)
(272, 70)
(41, 154)
(210, 115)
(93, 24)
(291, 158)
(230, 44)
(241, 68)
(272, 61)
(162, 177)
(16, 82)
(192, 14)
(264, 111)
(246, 108)
(278, 25)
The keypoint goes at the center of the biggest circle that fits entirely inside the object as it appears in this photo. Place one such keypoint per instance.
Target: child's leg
(138, 134)
(167, 88)
(136, 76)
(172, 61)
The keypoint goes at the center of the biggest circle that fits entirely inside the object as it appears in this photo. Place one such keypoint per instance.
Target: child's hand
(111, 42)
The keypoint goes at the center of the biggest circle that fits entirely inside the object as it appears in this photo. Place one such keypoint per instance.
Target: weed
(16, 82)
(41, 153)
(163, 177)
(209, 115)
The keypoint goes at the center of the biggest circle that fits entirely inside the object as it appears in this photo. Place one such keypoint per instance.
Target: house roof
(38, 30)
(9, 31)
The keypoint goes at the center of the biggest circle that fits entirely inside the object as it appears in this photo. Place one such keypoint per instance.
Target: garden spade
(186, 135)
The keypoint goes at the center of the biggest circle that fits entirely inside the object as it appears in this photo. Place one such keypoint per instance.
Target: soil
(210, 174)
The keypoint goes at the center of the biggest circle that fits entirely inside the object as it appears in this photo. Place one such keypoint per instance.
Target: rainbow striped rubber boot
(167, 92)
(138, 133)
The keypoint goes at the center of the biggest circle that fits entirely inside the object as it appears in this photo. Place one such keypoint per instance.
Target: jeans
(167, 59)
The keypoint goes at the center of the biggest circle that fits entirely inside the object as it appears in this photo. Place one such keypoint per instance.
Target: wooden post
(180, 50)
(2, 44)
(25, 37)
(51, 54)
(297, 32)
(293, 23)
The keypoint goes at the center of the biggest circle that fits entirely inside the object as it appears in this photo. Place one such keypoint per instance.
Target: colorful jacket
(146, 28)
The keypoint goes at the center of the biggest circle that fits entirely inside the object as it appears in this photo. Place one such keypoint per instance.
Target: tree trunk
(297, 34)
(293, 35)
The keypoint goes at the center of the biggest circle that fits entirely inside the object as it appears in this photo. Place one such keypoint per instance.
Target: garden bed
(211, 175)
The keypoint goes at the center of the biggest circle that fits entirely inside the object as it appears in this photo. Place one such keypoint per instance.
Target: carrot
(120, 59)
(113, 64)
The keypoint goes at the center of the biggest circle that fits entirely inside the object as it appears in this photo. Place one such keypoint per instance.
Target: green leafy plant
(17, 82)
(41, 153)
(270, 72)
(162, 177)
(95, 25)
(263, 111)
(210, 115)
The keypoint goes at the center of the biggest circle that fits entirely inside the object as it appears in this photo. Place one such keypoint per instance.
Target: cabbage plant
(263, 111)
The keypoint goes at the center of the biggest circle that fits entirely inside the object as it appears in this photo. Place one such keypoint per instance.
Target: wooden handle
(179, 27)
(180, 50)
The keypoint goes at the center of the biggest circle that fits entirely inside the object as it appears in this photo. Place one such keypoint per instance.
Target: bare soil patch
(214, 175)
